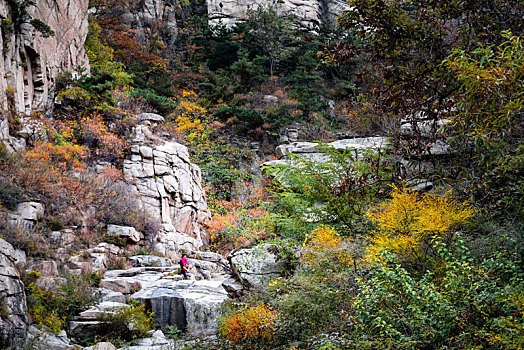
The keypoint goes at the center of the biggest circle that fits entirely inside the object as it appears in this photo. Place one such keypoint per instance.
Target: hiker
(184, 267)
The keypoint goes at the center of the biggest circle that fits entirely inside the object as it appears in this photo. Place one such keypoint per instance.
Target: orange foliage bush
(61, 158)
(95, 134)
(251, 326)
(56, 176)
(238, 223)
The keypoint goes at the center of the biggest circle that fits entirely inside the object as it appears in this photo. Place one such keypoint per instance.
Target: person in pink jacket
(184, 267)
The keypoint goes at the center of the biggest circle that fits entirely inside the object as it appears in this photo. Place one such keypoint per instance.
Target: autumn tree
(409, 39)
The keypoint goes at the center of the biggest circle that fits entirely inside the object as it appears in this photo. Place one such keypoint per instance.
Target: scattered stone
(31, 211)
(270, 98)
(104, 294)
(150, 260)
(120, 285)
(420, 185)
(47, 268)
(233, 288)
(61, 238)
(102, 346)
(20, 257)
(94, 312)
(83, 328)
(41, 340)
(151, 117)
(124, 232)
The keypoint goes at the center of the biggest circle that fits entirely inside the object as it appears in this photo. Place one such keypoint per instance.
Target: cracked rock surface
(13, 307)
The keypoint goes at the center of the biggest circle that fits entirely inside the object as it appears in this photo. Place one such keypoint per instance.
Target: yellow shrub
(322, 240)
(189, 115)
(252, 325)
(406, 220)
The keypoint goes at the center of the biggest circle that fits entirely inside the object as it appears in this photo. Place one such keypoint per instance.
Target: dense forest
(413, 244)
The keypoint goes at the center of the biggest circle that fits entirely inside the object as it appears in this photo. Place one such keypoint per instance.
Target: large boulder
(202, 301)
(30, 210)
(258, 266)
(13, 308)
(126, 232)
(192, 306)
(166, 304)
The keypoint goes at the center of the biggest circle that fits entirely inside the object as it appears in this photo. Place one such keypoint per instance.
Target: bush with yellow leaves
(189, 116)
(409, 220)
(323, 247)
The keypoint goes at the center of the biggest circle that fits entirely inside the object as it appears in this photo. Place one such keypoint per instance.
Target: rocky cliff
(153, 15)
(13, 309)
(40, 40)
(311, 13)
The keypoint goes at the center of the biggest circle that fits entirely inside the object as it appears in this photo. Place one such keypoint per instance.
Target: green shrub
(336, 191)
(463, 305)
(42, 27)
(125, 324)
(53, 308)
(55, 225)
(116, 240)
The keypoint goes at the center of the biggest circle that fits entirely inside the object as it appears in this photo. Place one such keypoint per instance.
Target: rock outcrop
(312, 150)
(190, 305)
(168, 186)
(310, 13)
(13, 308)
(153, 15)
(255, 267)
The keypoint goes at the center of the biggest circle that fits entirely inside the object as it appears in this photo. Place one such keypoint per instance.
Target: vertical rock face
(31, 61)
(149, 15)
(13, 308)
(311, 13)
(169, 188)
